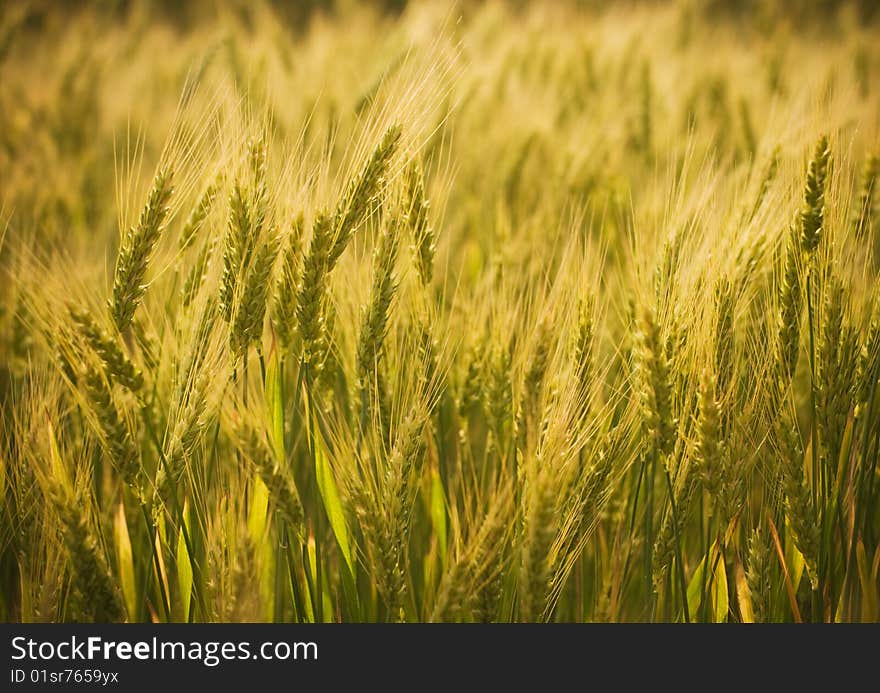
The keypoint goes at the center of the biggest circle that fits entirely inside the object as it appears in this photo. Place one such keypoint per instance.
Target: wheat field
(445, 312)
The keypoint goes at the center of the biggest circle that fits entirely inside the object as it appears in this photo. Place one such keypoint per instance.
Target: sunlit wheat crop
(454, 312)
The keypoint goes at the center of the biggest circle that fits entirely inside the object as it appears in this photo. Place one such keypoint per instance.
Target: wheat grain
(360, 193)
(423, 246)
(135, 252)
(118, 366)
(284, 298)
(812, 214)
